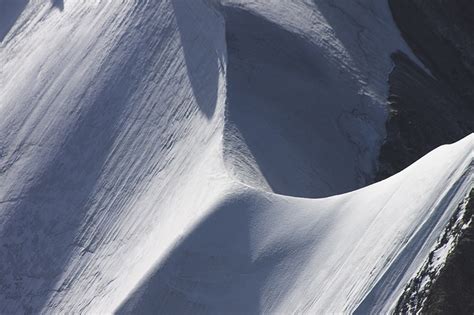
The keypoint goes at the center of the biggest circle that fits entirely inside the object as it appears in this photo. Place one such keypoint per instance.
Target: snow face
(307, 93)
(118, 191)
(109, 112)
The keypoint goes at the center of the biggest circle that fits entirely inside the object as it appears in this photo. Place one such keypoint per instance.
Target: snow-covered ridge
(261, 252)
(116, 193)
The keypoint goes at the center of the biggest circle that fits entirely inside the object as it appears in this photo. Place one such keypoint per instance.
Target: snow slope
(108, 124)
(260, 252)
(307, 92)
(144, 159)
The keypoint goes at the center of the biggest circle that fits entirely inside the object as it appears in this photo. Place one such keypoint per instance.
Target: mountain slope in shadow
(291, 123)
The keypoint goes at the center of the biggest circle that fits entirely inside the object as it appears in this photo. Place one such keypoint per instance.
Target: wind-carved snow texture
(129, 175)
(96, 102)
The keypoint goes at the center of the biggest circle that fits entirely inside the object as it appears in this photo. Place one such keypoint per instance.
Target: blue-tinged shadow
(10, 11)
(59, 4)
(211, 271)
(202, 59)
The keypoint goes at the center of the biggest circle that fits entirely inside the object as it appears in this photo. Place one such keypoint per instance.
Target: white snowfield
(154, 156)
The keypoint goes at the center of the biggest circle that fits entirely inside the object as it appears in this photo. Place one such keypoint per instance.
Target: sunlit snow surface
(131, 180)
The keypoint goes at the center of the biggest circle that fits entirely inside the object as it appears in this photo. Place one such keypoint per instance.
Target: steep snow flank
(114, 192)
(307, 91)
(109, 110)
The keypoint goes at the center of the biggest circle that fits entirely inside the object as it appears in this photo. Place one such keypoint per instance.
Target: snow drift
(152, 156)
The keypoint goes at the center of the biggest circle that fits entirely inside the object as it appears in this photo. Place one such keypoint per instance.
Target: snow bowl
(296, 123)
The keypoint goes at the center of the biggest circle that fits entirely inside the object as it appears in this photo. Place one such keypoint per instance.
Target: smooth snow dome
(151, 152)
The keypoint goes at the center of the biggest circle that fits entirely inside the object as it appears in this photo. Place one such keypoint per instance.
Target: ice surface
(130, 178)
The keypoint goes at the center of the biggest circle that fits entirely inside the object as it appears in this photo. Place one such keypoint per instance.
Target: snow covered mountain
(198, 156)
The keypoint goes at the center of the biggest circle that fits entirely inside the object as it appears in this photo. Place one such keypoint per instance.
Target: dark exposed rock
(428, 110)
(440, 32)
(424, 114)
(453, 290)
(427, 284)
